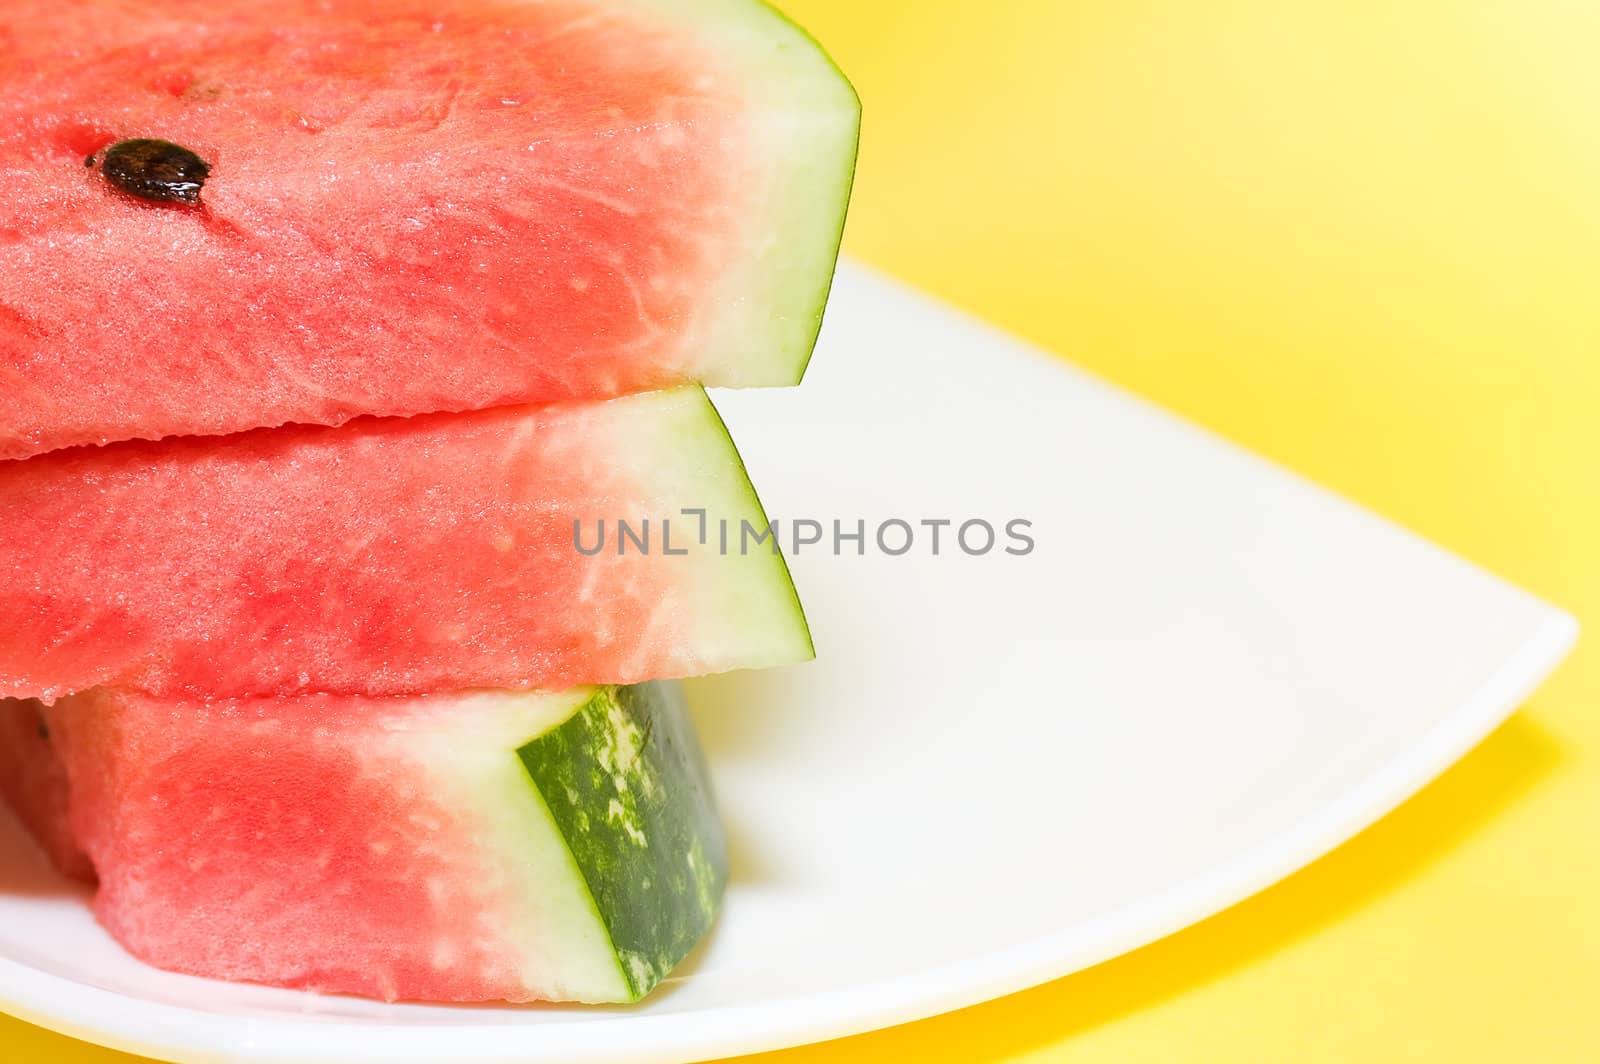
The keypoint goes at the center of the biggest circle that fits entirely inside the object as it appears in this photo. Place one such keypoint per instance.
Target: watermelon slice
(393, 557)
(476, 847)
(409, 206)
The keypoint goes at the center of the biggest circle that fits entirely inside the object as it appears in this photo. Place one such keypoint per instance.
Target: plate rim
(183, 1033)
(187, 1033)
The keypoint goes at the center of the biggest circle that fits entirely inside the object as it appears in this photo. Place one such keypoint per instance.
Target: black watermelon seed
(155, 170)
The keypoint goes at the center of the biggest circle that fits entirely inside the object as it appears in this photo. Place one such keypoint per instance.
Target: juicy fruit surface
(412, 207)
(34, 784)
(392, 848)
(387, 557)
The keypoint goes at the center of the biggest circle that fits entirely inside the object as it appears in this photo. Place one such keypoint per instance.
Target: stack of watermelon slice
(329, 329)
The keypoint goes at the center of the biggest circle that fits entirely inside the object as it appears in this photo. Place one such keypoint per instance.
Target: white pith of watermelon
(478, 847)
(390, 557)
(414, 206)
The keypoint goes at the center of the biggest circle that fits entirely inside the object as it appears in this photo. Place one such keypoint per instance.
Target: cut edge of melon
(806, 131)
(499, 761)
(739, 600)
(746, 604)
(637, 746)
(655, 870)
(792, 274)
(558, 918)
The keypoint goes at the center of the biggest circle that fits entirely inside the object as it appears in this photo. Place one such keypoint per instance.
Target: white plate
(1001, 769)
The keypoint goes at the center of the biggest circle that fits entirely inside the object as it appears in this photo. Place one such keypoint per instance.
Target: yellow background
(1362, 238)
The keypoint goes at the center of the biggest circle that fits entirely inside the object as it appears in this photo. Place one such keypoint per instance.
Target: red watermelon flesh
(473, 847)
(391, 556)
(413, 206)
(33, 782)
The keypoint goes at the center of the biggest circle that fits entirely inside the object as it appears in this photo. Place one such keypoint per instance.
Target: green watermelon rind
(781, 574)
(544, 910)
(626, 784)
(588, 909)
(556, 790)
(773, 305)
(749, 606)
(841, 143)
(586, 827)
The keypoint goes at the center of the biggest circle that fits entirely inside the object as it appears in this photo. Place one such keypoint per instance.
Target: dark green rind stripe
(627, 786)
